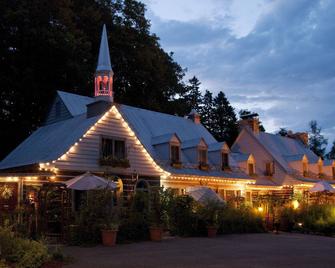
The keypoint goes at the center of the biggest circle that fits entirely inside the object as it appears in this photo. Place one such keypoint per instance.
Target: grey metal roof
(76, 104)
(148, 124)
(294, 157)
(49, 142)
(191, 143)
(282, 147)
(240, 157)
(162, 138)
(217, 146)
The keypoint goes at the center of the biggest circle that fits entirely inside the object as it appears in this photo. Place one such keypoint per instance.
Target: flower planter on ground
(109, 237)
(156, 233)
(212, 231)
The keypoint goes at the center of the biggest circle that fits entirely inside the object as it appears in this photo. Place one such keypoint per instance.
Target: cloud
(277, 59)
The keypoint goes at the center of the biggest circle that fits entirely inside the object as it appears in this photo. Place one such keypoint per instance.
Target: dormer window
(251, 169)
(175, 154)
(333, 169)
(202, 156)
(305, 169)
(269, 168)
(251, 166)
(225, 161)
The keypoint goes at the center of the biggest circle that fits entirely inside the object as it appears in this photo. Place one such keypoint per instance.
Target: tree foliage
(47, 45)
(317, 142)
(218, 116)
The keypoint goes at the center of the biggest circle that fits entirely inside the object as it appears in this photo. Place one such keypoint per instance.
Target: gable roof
(282, 149)
(49, 142)
(76, 104)
(166, 138)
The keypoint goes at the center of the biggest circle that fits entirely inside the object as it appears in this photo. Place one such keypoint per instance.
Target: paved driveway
(251, 250)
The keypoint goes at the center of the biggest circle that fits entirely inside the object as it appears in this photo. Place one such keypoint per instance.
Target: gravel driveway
(245, 250)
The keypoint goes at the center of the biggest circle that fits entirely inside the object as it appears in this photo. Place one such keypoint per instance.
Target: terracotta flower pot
(156, 233)
(212, 231)
(109, 237)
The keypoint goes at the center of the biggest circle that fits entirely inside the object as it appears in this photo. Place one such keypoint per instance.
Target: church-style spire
(104, 72)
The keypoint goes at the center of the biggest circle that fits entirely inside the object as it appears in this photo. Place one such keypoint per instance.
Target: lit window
(203, 156)
(269, 168)
(304, 168)
(225, 161)
(175, 157)
(111, 148)
(230, 194)
(320, 169)
(251, 169)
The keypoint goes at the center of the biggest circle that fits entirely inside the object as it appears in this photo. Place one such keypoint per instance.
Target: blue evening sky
(274, 57)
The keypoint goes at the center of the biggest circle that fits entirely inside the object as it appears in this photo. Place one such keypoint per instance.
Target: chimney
(249, 120)
(300, 136)
(194, 116)
(98, 107)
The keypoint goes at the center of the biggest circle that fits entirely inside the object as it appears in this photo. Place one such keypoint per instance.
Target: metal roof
(148, 124)
(104, 62)
(49, 142)
(76, 104)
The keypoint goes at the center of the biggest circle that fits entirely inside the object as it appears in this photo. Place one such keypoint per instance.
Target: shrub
(316, 219)
(23, 252)
(182, 217)
(239, 220)
(134, 220)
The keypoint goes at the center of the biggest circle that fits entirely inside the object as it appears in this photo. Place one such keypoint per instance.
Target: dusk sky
(273, 57)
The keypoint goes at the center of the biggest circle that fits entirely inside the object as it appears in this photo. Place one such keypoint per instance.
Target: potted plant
(156, 217)
(210, 212)
(109, 234)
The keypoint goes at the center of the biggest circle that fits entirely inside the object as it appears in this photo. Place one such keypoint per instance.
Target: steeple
(104, 73)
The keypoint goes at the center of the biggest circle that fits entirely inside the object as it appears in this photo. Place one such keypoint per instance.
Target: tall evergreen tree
(331, 153)
(224, 120)
(193, 95)
(317, 142)
(206, 110)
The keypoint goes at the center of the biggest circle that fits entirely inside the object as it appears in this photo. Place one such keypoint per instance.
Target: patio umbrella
(322, 186)
(203, 194)
(88, 181)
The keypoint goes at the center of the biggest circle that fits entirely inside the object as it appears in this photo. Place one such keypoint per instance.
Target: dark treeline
(49, 45)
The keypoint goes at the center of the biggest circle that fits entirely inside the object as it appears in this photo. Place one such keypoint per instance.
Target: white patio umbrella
(322, 186)
(88, 181)
(203, 194)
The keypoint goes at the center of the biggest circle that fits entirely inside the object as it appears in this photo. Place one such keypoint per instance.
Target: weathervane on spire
(104, 73)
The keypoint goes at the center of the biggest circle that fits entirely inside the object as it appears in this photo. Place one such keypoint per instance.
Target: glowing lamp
(295, 204)
(260, 209)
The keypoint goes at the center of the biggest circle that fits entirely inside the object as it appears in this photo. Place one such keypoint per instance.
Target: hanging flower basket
(204, 166)
(176, 164)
